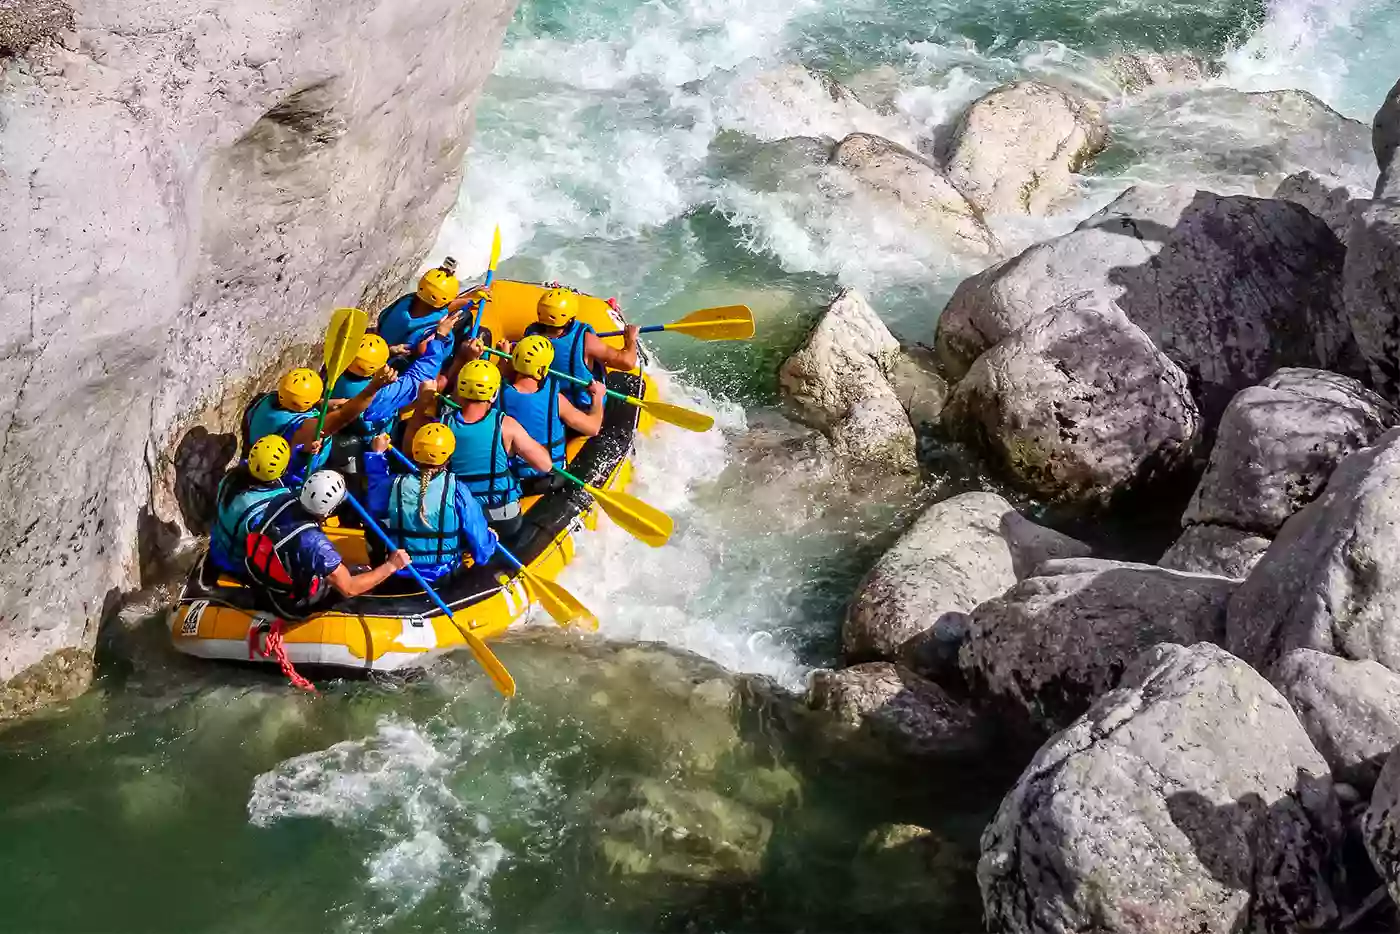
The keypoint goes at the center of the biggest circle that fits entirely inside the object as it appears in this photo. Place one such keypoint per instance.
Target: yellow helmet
(300, 390)
(437, 288)
(532, 356)
(268, 458)
(557, 308)
(478, 381)
(434, 444)
(373, 354)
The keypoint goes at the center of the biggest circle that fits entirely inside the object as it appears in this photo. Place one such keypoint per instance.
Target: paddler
(488, 441)
(244, 493)
(409, 325)
(290, 413)
(292, 561)
(432, 515)
(383, 411)
(534, 400)
(578, 350)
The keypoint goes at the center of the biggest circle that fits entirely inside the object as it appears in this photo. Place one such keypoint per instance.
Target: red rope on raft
(276, 648)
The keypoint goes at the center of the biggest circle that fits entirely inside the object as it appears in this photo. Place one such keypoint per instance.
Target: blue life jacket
(480, 460)
(397, 326)
(538, 413)
(266, 417)
(237, 512)
(570, 358)
(430, 541)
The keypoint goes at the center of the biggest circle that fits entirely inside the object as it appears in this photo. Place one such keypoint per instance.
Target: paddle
(677, 415)
(557, 602)
(484, 656)
(490, 275)
(726, 323)
(342, 343)
(644, 522)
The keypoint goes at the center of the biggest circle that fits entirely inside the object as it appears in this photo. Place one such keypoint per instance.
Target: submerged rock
(837, 379)
(904, 865)
(198, 192)
(1078, 405)
(1058, 640)
(1331, 580)
(1215, 549)
(651, 828)
(1229, 288)
(1016, 149)
(1136, 72)
(885, 709)
(918, 186)
(1189, 799)
(1277, 445)
(957, 554)
(1351, 711)
(1373, 260)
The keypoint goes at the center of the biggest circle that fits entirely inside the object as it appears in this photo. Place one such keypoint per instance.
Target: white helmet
(322, 492)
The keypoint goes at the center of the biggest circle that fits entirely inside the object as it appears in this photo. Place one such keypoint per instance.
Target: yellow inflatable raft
(399, 628)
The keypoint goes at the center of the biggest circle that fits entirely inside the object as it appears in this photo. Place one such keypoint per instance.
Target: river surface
(619, 148)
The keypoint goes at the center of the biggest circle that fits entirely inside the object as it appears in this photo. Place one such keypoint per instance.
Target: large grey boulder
(957, 554)
(1231, 289)
(918, 186)
(1351, 711)
(1327, 198)
(1215, 549)
(1136, 72)
(1381, 825)
(1277, 444)
(1189, 799)
(1016, 149)
(1373, 260)
(838, 381)
(1077, 405)
(881, 709)
(1058, 640)
(189, 191)
(1331, 579)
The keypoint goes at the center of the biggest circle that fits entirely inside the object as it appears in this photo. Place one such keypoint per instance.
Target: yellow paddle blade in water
(642, 521)
(726, 323)
(558, 602)
(489, 662)
(688, 419)
(495, 249)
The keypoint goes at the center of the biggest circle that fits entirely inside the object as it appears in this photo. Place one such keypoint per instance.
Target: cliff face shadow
(1284, 853)
(200, 461)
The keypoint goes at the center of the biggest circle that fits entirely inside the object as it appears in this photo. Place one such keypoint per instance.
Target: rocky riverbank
(1220, 728)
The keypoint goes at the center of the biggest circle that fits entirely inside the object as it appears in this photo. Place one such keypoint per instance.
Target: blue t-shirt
(314, 552)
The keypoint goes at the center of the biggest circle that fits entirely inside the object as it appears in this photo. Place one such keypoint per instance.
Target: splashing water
(646, 151)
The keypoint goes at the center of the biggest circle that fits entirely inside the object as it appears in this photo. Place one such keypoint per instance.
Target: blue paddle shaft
(388, 543)
(403, 459)
(481, 305)
(649, 329)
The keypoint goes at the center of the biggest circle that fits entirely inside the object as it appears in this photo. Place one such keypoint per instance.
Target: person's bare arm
(425, 410)
(518, 442)
(590, 423)
(596, 352)
(353, 585)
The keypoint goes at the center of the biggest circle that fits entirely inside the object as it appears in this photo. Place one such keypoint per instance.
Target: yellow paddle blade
(495, 249)
(559, 603)
(688, 419)
(643, 521)
(490, 663)
(727, 323)
(343, 341)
